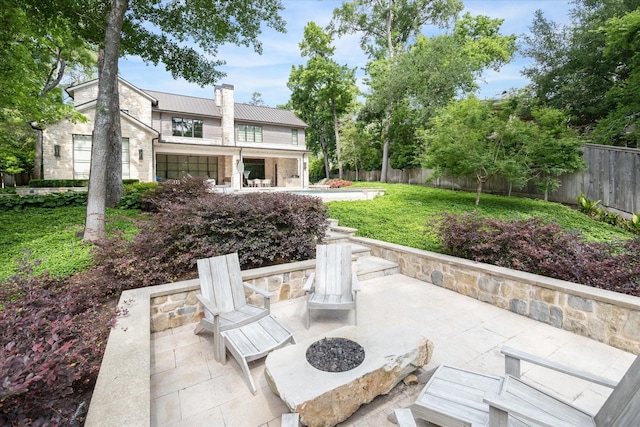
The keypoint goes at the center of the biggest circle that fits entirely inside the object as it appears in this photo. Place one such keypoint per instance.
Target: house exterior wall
(149, 130)
(211, 129)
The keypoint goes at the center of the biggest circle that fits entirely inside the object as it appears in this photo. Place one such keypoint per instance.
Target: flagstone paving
(189, 388)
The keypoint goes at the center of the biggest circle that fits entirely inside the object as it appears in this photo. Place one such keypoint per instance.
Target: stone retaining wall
(602, 315)
(172, 309)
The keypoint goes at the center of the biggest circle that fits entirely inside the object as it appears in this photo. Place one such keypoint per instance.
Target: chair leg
(355, 313)
(247, 373)
(308, 318)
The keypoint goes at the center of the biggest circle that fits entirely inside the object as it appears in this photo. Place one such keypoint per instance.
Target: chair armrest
(512, 367)
(355, 284)
(257, 290)
(308, 286)
(265, 294)
(208, 305)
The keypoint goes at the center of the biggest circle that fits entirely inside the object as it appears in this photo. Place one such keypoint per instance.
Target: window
(82, 157)
(191, 128)
(248, 133)
(294, 136)
(169, 166)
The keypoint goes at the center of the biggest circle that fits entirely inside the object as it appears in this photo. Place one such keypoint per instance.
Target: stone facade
(147, 123)
(604, 316)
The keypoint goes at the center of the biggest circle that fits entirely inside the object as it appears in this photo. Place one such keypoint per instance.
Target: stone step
(369, 267)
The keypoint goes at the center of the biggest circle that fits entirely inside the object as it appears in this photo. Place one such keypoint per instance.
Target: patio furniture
(457, 397)
(404, 417)
(257, 183)
(290, 420)
(266, 182)
(224, 301)
(333, 286)
(254, 341)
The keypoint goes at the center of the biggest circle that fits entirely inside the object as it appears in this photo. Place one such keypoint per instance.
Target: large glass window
(191, 128)
(82, 157)
(256, 168)
(294, 136)
(172, 166)
(248, 133)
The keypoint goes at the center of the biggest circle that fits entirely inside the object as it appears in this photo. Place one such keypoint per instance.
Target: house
(167, 136)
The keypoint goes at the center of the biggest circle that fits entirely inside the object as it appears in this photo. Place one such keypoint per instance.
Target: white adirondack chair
(224, 301)
(333, 286)
(455, 397)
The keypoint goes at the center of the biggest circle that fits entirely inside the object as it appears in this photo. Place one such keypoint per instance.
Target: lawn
(406, 213)
(402, 216)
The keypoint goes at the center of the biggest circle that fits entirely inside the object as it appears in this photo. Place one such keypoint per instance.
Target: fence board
(612, 176)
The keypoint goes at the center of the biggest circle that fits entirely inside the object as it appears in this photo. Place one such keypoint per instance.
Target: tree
(460, 141)
(256, 99)
(387, 27)
(622, 47)
(36, 55)
(511, 138)
(184, 36)
(569, 69)
(322, 83)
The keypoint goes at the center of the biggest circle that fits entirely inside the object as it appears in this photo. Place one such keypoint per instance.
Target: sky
(268, 73)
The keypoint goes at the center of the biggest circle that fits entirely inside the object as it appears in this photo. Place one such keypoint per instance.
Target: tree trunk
(336, 130)
(107, 123)
(38, 166)
(385, 146)
(478, 192)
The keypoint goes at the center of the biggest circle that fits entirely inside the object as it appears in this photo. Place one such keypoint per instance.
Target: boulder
(328, 398)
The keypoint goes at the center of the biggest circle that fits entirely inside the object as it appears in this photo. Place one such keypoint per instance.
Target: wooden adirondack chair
(455, 397)
(535, 407)
(224, 301)
(333, 286)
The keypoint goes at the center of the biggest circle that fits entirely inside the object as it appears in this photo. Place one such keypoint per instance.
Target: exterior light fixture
(56, 150)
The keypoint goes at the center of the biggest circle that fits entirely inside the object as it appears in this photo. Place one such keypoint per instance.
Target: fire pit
(325, 398)
(335, 354)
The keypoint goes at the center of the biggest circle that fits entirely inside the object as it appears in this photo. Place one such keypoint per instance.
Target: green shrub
(134, 194)
(53, 200)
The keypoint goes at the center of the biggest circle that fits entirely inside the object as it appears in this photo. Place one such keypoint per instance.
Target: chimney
(224, 101)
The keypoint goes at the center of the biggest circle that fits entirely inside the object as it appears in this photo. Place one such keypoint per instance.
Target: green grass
(406, 213)
(50, 237)
(402, 216)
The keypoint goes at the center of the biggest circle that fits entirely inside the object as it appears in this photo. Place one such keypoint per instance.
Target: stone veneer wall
(602, 315)
(170, 310)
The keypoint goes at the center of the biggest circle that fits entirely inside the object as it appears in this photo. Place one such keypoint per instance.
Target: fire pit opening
(335, 354)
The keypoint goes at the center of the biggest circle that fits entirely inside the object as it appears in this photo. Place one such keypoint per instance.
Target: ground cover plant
(399, 217)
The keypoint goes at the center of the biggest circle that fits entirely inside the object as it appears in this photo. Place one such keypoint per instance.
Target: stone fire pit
(328, 398)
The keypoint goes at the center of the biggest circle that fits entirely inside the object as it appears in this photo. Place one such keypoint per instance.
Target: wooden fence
(612, 176)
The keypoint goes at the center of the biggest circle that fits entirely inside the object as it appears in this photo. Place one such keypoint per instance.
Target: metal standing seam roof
(254, 113)
(207, 107)
(185, 104)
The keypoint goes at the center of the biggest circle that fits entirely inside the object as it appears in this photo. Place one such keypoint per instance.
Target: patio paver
(189, 388)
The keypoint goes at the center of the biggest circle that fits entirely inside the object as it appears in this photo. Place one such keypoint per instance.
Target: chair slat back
(622, 408)
(221, 282)
(333, 269)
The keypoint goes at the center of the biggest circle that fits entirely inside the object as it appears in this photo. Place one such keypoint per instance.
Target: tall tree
(569, 70)
(36, 53)
(322, 82)
(387, 27)
(621, 125)
(184, 36)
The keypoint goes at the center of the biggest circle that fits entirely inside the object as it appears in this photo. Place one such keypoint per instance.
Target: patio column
(236, 175)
